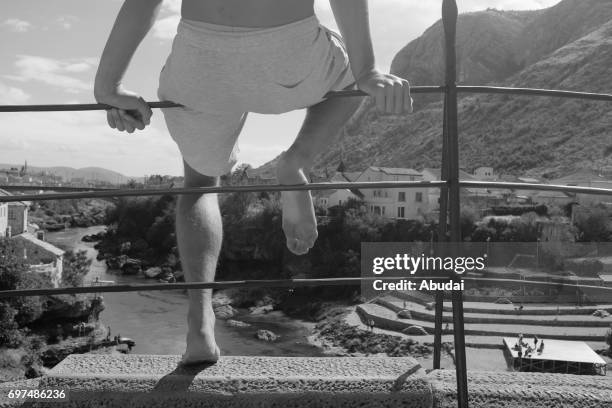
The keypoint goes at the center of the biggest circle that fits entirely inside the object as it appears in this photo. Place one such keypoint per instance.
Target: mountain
(87, 173)
(567, 46)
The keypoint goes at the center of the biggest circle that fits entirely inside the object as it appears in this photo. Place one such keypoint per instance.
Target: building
(485, 174)
(399, 203)
(42, 256)
(331, 198)
(552, 198)
(481, 197)
(586, 178)
(3, 219)
(17, 216)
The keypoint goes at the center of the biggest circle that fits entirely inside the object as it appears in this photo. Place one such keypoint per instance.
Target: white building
(3, 219)
(485, 174)
(41, 256)
(331, 198)
(400, 203)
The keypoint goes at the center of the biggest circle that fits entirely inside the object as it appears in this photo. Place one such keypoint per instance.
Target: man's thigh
(208, 141)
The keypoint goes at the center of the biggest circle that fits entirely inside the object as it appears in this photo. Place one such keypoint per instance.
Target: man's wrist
(103, 88)
(366, 72)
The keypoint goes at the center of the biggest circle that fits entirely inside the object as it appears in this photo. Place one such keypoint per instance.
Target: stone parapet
(98, 380)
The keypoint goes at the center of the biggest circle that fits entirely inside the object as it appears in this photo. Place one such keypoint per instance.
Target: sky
(49, 52)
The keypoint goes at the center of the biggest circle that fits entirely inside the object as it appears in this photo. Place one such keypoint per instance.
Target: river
(157, 320)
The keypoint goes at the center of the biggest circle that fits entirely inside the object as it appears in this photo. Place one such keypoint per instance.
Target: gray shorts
(220, 73)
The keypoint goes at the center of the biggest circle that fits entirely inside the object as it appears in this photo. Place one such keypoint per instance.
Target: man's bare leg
(199, 236)
(322, 124)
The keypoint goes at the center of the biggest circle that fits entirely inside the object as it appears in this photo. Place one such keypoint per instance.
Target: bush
(75, 267)
(594, 226)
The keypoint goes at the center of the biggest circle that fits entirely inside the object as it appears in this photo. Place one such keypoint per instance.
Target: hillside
(567, 46)
(87, 173)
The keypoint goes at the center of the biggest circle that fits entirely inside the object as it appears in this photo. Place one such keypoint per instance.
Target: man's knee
(195, 179)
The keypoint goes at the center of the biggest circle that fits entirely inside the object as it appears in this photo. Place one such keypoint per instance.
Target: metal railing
(448, 227)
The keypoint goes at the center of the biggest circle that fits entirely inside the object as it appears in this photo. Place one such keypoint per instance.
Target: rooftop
(42, 244)
(396, 171)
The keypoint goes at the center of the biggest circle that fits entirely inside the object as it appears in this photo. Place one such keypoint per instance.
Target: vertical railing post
(442, 237)
(449, 20)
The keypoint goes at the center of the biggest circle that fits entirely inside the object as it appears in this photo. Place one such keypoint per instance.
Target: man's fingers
(130, 121)
(110, 119)
(145, 111)
(389, 98)
(380, 98)
(407, 98)
(117, 118)
(398, 90)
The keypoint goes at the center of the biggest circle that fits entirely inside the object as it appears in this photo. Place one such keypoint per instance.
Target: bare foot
(299, 221)
(201, 344)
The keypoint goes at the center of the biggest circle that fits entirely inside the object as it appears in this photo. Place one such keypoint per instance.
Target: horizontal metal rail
(269, 283)
(54, 188)
(336, 94)
(168, 104)
(533, 92)
(223, 189)
(536, 186)
(103, 193)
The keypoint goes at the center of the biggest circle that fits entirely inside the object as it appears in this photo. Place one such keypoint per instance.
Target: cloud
(59, 73)
(16, 25)
(82, 139)
(66, 22)
(472, 5)
(12, 96)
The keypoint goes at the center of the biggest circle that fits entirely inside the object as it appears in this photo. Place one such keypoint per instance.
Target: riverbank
(57, 215)
(156, 320)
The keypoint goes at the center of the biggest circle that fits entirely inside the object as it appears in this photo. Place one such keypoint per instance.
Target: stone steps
(420, 313)
(386, 318)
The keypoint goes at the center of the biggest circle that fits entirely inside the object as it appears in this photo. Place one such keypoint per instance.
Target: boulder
(220, 299)
(601, 313)
(415, 331)
(131, 267)
(404, 314)
(261, 309)
(237, 323)
(152, 272)
(266, 335)
(503, 301)
(224, 311)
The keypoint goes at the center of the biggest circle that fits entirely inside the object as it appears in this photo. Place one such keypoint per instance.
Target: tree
(16, 312)
(75, 267)
(594, 226)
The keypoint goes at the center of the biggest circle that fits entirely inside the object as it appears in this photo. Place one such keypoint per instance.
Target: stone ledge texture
(524, 390)
(98, 380)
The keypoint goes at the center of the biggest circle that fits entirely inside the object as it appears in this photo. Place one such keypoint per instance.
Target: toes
(302, 247)
(293, 245)
(299, 246)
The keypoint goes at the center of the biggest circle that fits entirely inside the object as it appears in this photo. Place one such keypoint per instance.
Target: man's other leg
(199, 236)
(322, 124)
